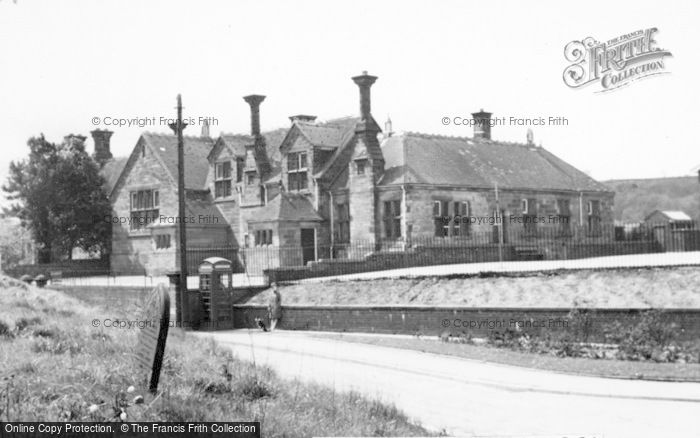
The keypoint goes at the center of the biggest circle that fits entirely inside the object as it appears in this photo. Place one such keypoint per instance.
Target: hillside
(636, 198)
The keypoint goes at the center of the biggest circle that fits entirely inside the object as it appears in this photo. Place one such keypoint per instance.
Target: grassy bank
(638, 288)
(56, 366)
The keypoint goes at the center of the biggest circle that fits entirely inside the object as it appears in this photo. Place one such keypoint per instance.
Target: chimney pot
(205, 128)
(302, 118)
(254, 100)
(482, 124)
(102, 153)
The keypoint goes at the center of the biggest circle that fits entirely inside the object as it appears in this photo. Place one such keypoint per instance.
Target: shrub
(253, 388)
(650, 338)
(5, 330)
(23, 323)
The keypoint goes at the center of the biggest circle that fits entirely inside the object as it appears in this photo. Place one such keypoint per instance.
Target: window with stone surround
(530, 216)
(240, 165)
(162, 241)
(143, 207)
(341, 229)
(222, 179)
(263, 237)
(297, 171)
(441, 219)
(564, 217)
(392, 219)
(461, 225)
(594, 221)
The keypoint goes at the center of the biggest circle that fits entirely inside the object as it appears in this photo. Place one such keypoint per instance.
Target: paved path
(622, 261)
(469, 397)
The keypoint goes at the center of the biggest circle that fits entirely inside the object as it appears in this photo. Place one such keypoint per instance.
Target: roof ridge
(469, 139)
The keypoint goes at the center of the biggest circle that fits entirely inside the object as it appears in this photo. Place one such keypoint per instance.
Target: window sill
(224, 199)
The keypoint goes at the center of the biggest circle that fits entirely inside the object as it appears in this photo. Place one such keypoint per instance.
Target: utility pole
(181, 296)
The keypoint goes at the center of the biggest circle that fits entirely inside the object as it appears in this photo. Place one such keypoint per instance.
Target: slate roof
(461, 161)
(287, 207)
(196, 152)
(329, 134)
(273, 140)
(672, 215)
(111, 171)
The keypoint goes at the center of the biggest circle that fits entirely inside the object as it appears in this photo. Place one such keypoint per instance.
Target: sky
(64, 64)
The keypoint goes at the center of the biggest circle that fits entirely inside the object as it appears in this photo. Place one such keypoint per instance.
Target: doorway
(308, 245)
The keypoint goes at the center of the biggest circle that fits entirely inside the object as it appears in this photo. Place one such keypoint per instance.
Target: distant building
(675, 220)
(338, 188)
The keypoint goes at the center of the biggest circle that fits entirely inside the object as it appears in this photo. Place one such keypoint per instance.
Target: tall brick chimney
(364, 82)
(254, 100)
(482, 124)
(258, 147)
(102, 152)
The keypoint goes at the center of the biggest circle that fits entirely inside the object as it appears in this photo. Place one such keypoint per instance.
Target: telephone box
(216, 289)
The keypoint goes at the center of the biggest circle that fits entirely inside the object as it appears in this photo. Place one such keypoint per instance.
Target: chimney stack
(482, 124)
(102, 149)
(364, 82)
(205, 128)
(73, 139)
(302, 118)
(254, 100)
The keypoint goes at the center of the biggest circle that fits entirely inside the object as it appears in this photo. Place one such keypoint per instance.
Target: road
(467, 397)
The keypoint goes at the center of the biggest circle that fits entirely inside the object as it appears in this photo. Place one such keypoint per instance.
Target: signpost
(150, 348)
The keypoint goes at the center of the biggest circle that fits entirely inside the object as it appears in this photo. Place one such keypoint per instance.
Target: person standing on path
(274, 308)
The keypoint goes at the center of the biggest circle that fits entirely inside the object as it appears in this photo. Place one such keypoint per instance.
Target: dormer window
(222, 177)
(297, 171)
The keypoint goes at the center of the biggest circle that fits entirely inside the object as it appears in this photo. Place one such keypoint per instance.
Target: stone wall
(476, 322)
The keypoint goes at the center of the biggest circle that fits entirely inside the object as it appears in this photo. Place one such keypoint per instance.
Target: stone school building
(337, 189)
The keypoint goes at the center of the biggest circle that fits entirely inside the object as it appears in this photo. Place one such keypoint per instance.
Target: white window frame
(219, 177)
(298, 169)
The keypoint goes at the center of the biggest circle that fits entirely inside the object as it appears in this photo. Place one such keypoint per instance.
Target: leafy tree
(60, 197)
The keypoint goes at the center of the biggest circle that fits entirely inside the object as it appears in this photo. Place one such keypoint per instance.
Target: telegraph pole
(499, 225)
(181, 296)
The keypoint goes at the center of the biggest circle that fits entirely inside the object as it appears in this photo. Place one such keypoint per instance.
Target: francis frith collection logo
(614, 63)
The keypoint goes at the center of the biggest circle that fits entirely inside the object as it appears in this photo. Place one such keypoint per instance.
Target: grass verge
(56, 366)
(572, 365)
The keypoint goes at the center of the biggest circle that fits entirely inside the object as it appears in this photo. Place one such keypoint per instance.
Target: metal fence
(292, 262)
(335, 258)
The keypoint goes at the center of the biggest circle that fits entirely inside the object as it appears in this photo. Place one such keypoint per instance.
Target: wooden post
(181, 296)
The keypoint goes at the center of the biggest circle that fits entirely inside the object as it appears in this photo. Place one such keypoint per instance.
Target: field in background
(624, 288)
(637, 198)
(56, 366)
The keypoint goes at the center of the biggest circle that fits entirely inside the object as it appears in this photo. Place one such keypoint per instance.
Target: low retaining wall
(477, 322)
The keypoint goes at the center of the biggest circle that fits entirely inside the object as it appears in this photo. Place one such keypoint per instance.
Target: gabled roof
(287, 207)
(196, 151)
(672, 215)
(237, 143)
(329, 134)
(111, 171)
(460, 161)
